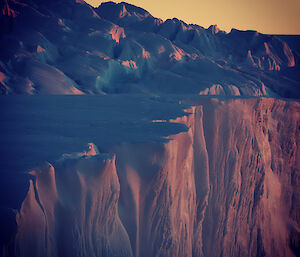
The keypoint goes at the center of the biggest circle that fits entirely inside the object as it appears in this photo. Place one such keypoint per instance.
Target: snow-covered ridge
(69, 47)
(235, 170)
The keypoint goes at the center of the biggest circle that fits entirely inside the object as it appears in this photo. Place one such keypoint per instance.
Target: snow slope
(121, 48)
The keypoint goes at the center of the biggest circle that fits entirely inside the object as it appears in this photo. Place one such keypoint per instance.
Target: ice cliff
(229, 186)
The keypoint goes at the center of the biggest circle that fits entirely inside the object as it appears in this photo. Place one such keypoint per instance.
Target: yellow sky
(266, 16)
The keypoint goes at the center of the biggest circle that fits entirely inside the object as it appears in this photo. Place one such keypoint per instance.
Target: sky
(265, 16)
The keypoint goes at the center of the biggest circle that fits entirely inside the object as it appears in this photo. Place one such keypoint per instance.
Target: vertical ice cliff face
(72, 210)
(227, 187)
(252, 172)
(157, 183)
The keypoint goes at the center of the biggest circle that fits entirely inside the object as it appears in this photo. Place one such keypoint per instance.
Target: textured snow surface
(208, 177)
(69, 47)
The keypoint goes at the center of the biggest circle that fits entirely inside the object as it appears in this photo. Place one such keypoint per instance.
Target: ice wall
(227, 187)
(72, 210)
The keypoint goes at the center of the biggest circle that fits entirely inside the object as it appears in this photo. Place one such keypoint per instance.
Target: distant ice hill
(69, 47)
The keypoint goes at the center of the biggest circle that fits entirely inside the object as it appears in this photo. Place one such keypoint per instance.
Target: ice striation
(229, 186)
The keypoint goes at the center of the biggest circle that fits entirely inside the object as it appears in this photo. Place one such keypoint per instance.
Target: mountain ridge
(145, 54)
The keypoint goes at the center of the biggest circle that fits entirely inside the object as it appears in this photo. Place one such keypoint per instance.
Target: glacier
(126, 135)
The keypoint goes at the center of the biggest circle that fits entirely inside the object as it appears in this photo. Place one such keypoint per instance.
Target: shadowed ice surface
(43, 128)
